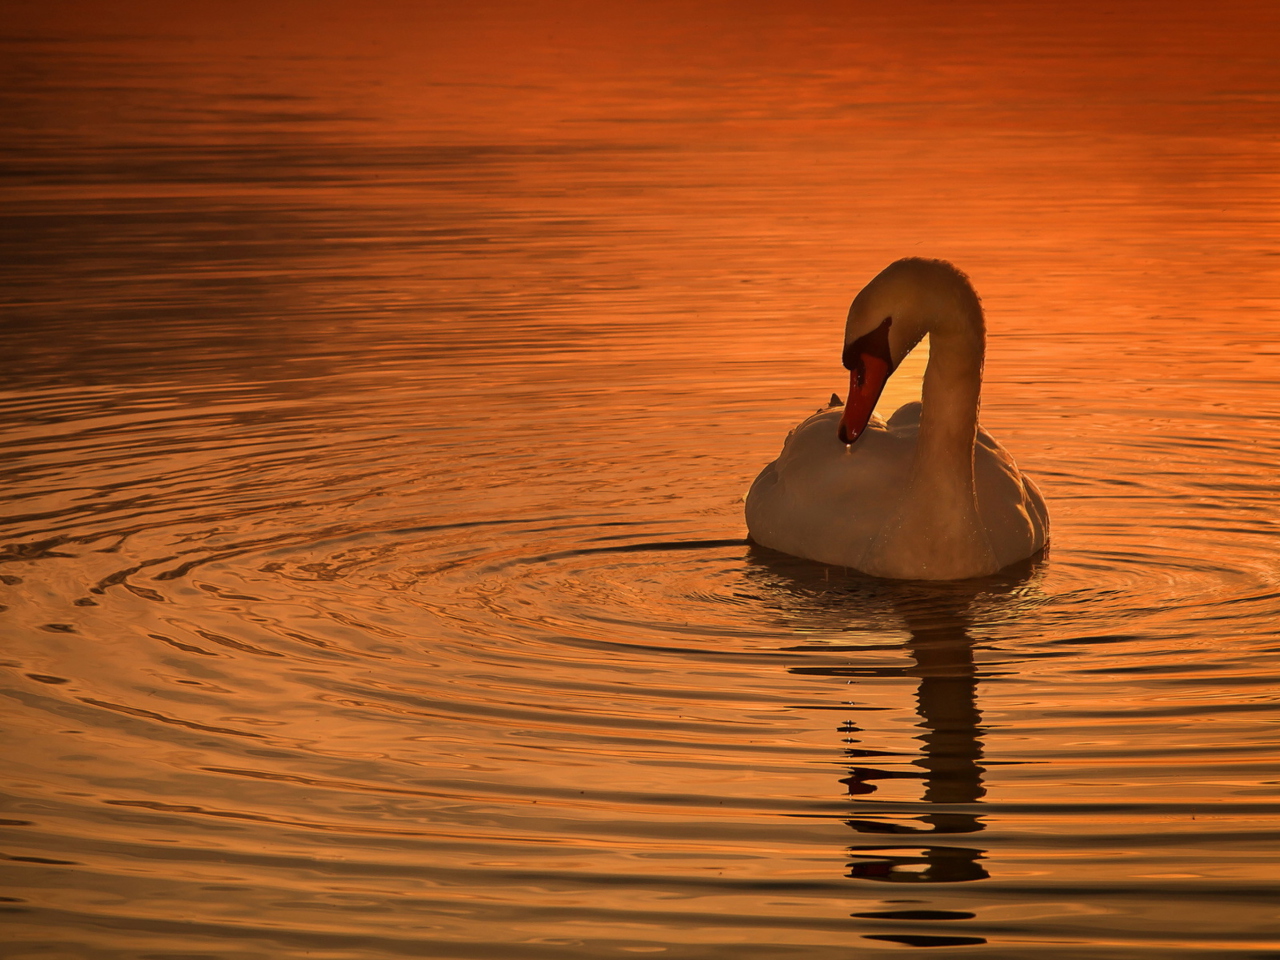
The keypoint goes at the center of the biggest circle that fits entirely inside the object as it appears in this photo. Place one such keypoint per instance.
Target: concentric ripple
(324, 722)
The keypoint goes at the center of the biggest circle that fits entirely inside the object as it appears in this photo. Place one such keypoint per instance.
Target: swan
(929, 495)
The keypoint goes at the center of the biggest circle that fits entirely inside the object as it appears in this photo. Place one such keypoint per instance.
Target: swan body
(928, 495)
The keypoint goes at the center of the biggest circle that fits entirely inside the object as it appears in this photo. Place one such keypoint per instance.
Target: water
(380, 391)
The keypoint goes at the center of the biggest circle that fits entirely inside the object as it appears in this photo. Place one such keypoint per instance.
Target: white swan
(930, 495)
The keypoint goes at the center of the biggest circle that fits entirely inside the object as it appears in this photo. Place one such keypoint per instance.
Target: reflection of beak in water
(938, 616)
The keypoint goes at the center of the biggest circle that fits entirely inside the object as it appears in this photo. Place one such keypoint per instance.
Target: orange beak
(870, 364)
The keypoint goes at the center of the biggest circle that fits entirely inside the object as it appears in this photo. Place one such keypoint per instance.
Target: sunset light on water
(382, 385)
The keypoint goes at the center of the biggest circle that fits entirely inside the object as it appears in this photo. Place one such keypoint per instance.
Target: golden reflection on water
(382, 385)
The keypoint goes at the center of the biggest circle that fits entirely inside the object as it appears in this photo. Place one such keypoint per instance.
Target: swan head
(889, 316)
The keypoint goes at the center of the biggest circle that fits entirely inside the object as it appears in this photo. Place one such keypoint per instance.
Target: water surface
(380, 392)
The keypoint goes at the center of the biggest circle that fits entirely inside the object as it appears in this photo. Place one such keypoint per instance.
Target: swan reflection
(938, 846)
(946, 702)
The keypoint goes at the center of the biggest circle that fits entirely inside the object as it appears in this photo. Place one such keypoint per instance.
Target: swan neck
(950, 397)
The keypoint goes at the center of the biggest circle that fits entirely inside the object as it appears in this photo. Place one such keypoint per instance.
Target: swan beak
(870, 364)
(864, 390)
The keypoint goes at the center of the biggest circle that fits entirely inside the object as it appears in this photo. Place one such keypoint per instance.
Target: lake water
(380, 389)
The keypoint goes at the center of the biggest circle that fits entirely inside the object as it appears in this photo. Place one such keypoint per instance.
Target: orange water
(380, 389)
